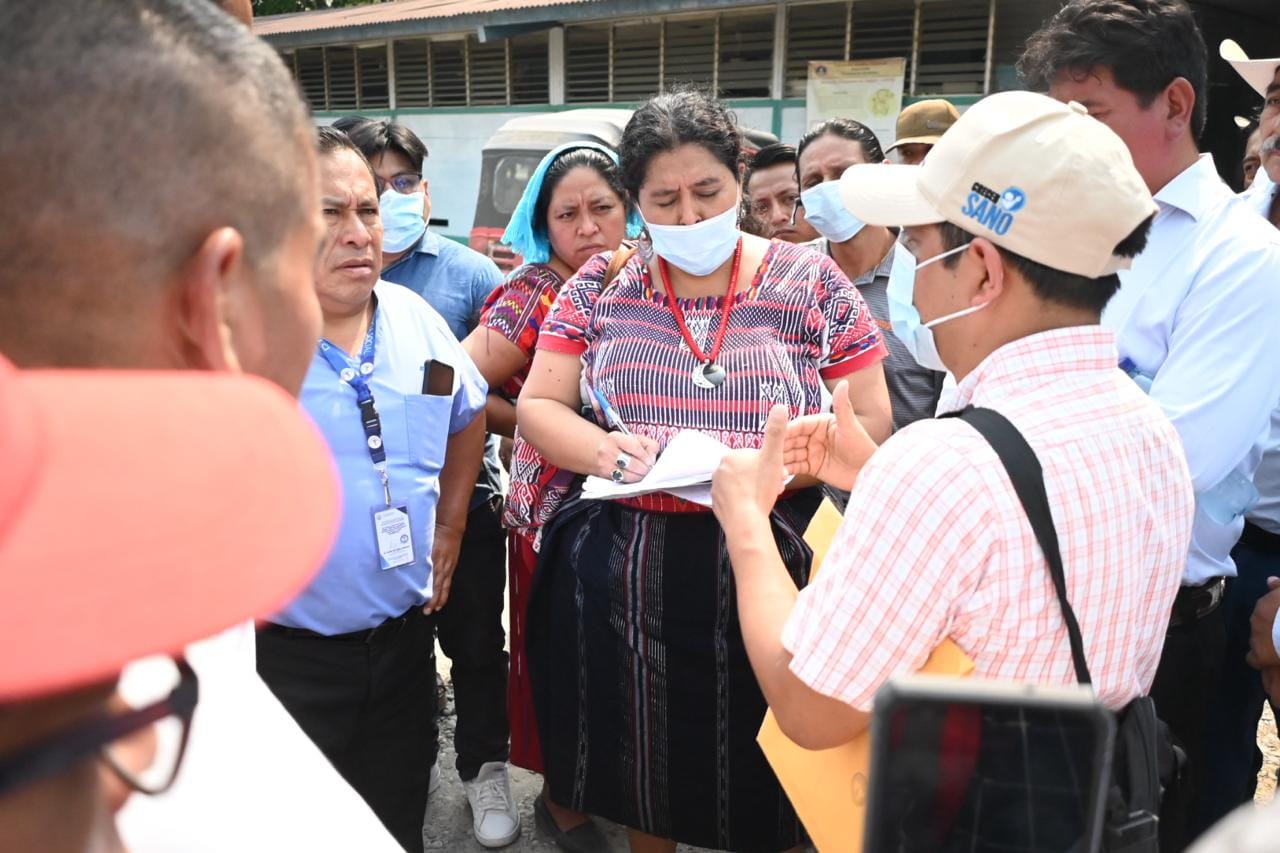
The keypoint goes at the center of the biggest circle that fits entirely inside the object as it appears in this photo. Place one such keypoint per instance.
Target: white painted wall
(793, 124)
(454, 142)
(759, 118)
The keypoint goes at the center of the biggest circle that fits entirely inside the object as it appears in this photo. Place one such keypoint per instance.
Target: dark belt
(385, 631)
(1260, 540)
(1193, 603)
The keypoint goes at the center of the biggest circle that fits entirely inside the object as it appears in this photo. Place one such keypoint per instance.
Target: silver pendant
(709, 375)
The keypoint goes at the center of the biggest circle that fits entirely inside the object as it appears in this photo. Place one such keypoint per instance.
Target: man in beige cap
(920, 126)
(1019, 219)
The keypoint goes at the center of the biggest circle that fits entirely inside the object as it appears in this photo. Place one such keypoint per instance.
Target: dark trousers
(367, 705)
(1186, 681)
(1234, 758)
(469, 628)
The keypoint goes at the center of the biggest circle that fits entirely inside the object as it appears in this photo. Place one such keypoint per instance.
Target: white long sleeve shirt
(1267, 477)
(252, 780)
(1199, 312)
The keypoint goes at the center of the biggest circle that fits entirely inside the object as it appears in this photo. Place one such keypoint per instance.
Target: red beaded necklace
(707, 373)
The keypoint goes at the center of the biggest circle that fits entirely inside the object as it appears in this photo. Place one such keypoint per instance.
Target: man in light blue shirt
(1195, 317)
(453, 278)
(456, 280)
(351, 592)
(398, 402)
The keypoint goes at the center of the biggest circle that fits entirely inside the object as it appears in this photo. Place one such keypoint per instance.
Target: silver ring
(621, 461)
(616, 475)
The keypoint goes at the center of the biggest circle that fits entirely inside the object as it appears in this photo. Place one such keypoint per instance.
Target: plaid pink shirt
(935, 543)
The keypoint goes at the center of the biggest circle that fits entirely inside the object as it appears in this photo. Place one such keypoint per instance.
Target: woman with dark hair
(646, 703)
(573, 207)
(867, 254)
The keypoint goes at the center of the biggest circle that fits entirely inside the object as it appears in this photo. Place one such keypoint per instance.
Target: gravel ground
(1270, 746)
(448, 820)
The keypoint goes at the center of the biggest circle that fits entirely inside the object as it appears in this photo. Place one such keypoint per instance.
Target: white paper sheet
(684, 469)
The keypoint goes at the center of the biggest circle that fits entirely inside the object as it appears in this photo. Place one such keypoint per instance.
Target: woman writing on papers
(645, 699)
(573, 207)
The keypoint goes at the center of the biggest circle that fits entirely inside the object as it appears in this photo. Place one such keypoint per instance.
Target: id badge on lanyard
(391, 529)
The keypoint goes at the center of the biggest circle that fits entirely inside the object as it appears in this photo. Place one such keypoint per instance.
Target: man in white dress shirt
(1195, 316)
(1234, 758)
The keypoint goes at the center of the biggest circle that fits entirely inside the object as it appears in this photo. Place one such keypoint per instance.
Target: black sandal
(584, 838)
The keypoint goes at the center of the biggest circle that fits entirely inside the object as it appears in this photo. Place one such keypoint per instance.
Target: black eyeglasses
(100, 734)
(403, 183)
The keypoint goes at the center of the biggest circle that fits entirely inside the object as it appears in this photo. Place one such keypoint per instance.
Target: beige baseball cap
(924, 122)
(1035, 176)
(1258, 73)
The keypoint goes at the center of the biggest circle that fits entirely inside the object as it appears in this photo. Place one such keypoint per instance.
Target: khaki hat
(1037, 177)
(924, 123)
(1258, 73)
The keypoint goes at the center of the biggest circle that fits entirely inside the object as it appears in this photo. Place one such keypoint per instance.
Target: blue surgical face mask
(402, 222)
(701, 248)
(917, 336)
(824, 210)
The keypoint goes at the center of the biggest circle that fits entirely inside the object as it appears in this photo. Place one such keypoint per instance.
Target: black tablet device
(986, 767)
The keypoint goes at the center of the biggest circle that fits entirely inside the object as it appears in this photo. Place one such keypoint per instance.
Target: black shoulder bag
(1143, 752)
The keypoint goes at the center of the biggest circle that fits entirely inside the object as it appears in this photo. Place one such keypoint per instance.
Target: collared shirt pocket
(427, 418)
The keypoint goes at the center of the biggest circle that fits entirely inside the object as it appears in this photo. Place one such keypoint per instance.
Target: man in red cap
(182, 239)
(100, 565)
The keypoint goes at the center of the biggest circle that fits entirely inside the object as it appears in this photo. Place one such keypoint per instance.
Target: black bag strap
(1027, 476)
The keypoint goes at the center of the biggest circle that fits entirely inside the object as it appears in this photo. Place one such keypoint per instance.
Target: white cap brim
(881, 194)
(1258, 73)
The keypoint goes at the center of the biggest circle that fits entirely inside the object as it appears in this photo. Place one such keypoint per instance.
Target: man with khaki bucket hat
(919, 128)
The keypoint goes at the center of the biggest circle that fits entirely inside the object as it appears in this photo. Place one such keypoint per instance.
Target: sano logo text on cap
(991, 210)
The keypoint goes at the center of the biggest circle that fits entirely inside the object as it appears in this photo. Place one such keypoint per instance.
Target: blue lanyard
(357, 375)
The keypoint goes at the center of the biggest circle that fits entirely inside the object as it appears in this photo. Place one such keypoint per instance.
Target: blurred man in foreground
(181, 240)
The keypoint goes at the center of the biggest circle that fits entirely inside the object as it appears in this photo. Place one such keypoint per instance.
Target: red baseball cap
(140, 511)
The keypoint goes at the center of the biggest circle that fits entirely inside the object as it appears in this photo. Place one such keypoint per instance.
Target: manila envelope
(828, 787)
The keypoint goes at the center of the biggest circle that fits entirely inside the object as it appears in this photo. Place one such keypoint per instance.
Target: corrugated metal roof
(387, 13)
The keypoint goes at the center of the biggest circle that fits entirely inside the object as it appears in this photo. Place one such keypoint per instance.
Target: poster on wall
(869, 90)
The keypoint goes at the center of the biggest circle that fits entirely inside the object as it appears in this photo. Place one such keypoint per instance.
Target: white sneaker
(493, 810)
(434, 784)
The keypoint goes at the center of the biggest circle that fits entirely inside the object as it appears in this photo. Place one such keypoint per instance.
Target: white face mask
(915, 335)
(402, 222)
(824, 210)
(701, 248)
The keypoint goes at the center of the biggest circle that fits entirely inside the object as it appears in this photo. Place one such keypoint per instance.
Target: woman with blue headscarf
(573, 208)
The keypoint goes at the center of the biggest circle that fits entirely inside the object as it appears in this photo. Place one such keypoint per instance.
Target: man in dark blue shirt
(455, 280)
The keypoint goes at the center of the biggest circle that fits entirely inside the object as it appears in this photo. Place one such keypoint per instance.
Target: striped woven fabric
(801, 321)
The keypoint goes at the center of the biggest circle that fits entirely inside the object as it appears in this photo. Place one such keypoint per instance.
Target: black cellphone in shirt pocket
(437, 378)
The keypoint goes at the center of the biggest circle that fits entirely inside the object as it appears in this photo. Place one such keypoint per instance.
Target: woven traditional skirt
(521, 561)
(646, 703)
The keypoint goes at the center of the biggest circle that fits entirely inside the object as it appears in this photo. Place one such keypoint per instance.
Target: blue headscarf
(528, 241)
